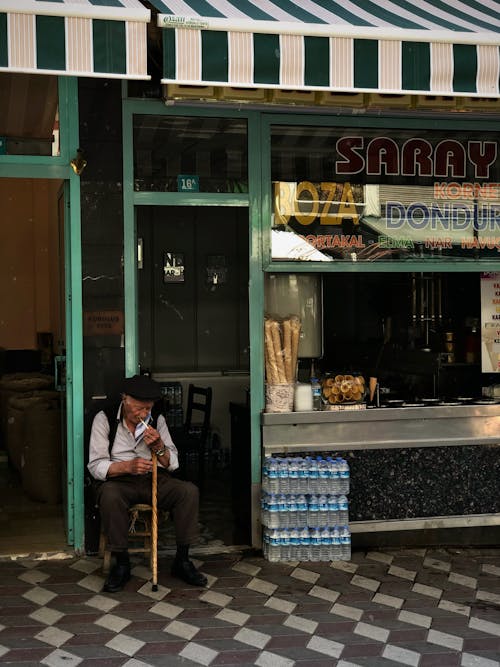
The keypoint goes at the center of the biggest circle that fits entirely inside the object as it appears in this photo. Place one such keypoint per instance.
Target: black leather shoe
(117, 579)
(185, 570)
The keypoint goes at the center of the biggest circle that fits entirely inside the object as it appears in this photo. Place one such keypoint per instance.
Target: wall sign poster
(490, 322)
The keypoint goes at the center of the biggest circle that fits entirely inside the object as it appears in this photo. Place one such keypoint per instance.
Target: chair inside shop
(192, 442)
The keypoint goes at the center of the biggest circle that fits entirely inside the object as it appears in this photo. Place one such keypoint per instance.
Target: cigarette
(146, 425)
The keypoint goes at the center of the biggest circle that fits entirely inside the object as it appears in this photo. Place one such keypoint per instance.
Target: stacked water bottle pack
(304, 508)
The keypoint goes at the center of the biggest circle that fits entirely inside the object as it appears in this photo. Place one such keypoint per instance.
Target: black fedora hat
(141, 387)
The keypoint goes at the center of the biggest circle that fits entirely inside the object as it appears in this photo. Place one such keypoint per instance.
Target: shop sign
(103, 323)
(490, 322)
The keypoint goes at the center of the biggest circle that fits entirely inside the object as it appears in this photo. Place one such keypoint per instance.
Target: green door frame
(58, 167)
(260, 209)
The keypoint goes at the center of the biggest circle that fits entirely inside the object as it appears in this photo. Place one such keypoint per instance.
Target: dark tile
(362, 649)
(440, 660)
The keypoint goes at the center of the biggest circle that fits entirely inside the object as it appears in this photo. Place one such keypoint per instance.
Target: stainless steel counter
(381, 428)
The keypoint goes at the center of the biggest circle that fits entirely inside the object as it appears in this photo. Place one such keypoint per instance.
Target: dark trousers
(117, 494)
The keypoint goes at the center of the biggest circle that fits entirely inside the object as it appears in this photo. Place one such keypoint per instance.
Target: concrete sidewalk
(418, 607)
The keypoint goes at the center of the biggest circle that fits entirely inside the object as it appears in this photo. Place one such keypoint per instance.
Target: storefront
(349, 157)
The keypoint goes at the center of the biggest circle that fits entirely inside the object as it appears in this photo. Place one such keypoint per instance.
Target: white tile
(380, 557)
(402, 573)
(300, 623)
(39, 595)
(267, 659)
(92, 583)
(388, 600)
(166, 609)
(33, 577)
(305, 575)
(197, 653)
(218, 599)
(454, 607)
(146, 589)
(324, 593)
(488, 597)
(346, 663)
(469, 660)
(86, 566)
(261, 586)
(462, 580)
(246, 568)
(421, 620)
(280, 605)
(112, 622)
(136, 663)
(60, 658)
(400, 655)
(233, 616)
(431, 591)
(142, 572)
(53, 636)
(437, 564)
(491, 569)
(365, 582)
(325, 646)
(252, 637)
(125, 644)
(346, 611)
(102, 603)
(372, 632)
(484, 626)
(180, 629)
(445, 639)
(46, 615)
(3, 650)
(344, 566)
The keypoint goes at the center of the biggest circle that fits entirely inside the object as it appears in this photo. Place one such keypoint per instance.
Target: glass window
(29, 120)
(186, 154)
(367, 195)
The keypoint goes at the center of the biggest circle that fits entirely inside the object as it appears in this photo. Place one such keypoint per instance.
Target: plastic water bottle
(316, 393)
(345, 543)
(283, 479)
(274, 545)
(333, 510)
(282, 511)
(313, 475)
(323, 510)
(336, 544)
(315, 540)
(303, 481)
(302, 511)
(345, 475)
(273, 511)
(325, 551)
(265, 542)
(323, 475)
(304, 548)
(293, 475)
(286, 550)
(334, 475)
(272, 475)
(343, 510)
(294, 544)
(313, 511)
(292, 509)
(263, 510)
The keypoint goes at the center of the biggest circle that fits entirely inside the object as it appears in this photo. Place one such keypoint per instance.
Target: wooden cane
(154, 521)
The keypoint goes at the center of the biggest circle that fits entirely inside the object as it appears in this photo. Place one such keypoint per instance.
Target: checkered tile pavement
(413, 607)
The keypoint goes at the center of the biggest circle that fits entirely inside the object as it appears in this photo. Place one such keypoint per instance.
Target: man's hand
(152, 438)
(135, 466)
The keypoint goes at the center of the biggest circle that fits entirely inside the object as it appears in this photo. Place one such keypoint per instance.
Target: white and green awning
(98, 38)
(429, 47)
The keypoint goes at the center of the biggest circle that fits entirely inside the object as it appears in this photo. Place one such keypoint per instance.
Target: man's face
(135, 410)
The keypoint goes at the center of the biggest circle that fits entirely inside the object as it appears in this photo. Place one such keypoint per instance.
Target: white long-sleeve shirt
(125, 446)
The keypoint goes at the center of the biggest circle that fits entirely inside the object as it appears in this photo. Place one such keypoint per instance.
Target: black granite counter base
(420, 482)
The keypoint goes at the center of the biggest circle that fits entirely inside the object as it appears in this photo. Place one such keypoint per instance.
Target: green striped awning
(425, 47)
(98, 38)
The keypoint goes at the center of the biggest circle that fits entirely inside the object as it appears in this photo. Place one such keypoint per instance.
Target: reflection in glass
(209, 153)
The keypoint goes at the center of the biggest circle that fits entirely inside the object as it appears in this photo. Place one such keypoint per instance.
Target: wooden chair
(195, 434)
(139, 531)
